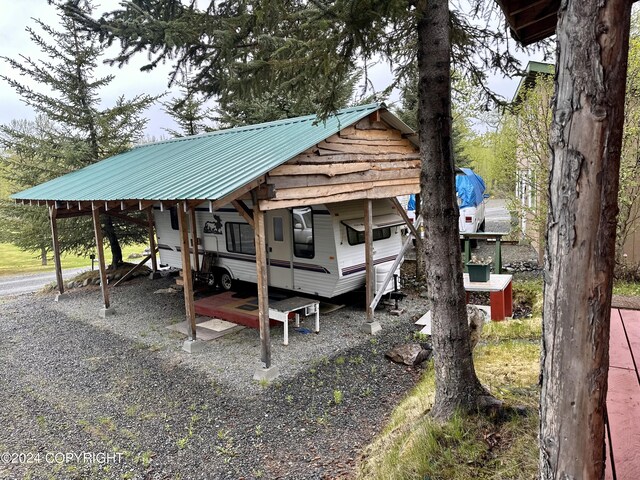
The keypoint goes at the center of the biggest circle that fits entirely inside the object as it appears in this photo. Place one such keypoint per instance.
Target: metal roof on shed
(208, 166)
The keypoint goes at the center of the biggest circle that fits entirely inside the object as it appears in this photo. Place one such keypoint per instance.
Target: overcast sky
(15, 16)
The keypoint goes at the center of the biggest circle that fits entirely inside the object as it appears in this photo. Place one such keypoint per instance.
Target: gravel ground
(72, 382)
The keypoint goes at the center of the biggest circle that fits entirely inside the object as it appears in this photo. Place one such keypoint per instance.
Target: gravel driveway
(84, 397)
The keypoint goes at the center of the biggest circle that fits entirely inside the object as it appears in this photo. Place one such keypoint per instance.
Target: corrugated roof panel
(208, 166)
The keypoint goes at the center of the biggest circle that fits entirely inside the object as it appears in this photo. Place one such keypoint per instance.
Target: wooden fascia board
(520, 6)
(539, 20)
(144, 204)
(111, 204)
(236, 194)
(72, 213)
(374, 193)
(127, 218)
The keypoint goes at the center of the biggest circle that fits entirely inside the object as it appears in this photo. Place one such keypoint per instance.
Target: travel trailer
(471, 199)
(317, 250)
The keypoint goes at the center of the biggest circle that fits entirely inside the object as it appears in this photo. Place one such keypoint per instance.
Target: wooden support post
(186, 272)
(152, 240)
(263, 286)
(498, 260)
(194, 239)
(368, 258)
(97, 228)
(56, 249)
(371, 326)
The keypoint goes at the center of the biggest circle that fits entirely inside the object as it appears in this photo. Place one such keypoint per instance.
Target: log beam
(373, 193)
(56, 249)
(244, 212)
(194, 239)
(354, 133)
(368, 257)
(338, 158)
(97, 229)
(328, 190)
(135, 268)
(221, 202)
(263, 288)
(186, 272)
(405, 217)
(331, 169)
(356, 178)
(152, 239)
(370, 326)
(126, 218)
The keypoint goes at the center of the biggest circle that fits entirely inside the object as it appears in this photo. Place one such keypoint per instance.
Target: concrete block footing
(370, 327)
(61, 296)
(266, 374)
(155, 275)
(106, 312)
(193, 346)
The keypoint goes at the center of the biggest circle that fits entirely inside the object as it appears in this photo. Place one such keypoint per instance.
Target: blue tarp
(469, 187)
(412, 203)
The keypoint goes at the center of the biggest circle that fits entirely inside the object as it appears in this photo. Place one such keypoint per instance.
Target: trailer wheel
(224, 280)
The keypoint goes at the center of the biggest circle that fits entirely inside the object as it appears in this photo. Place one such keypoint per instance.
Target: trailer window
(303, 243)
(278, 229)
(355, 237)
(173, 214)
(240, 238)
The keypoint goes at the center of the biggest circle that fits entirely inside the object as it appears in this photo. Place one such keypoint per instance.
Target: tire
(225, 281)
(482, 226)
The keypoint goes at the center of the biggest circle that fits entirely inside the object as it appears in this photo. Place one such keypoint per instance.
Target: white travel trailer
(317, 250)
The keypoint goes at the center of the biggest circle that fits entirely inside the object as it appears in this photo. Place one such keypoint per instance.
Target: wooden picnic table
(280, 311)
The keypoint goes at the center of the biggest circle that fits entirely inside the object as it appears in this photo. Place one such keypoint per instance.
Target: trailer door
(279, 240)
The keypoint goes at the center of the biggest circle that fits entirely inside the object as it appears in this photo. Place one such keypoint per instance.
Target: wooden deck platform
(232, 307)
(623, 397)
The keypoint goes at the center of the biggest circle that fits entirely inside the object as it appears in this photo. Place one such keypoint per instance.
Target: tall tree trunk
(43, 256)
(457, 386)
(114, 244)
(586, 137)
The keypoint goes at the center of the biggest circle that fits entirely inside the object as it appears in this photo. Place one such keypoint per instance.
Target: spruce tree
(72, 130)
(189, 111)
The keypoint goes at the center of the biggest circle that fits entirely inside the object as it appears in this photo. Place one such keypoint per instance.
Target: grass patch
(14, 261)
(523, 329)
(627, 289)
(528, 292)
(414, 446)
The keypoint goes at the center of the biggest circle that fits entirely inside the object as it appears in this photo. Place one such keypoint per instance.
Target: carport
(359, 153)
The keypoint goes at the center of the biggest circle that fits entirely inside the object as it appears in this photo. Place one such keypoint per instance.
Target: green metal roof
(208, 166)
(534, 69)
